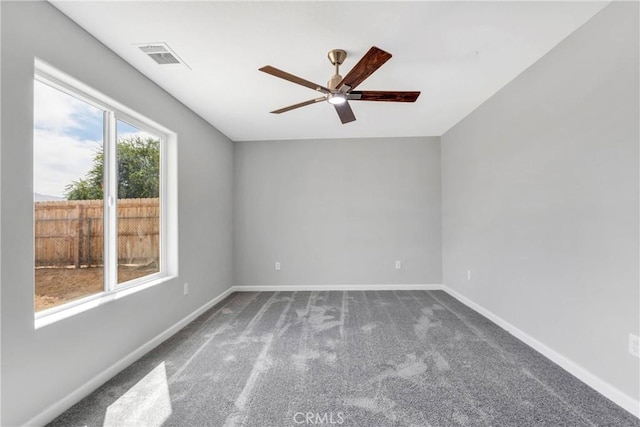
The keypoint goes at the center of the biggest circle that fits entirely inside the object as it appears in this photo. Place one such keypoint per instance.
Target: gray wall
(39, 367)
(540, 199)
(338, 211)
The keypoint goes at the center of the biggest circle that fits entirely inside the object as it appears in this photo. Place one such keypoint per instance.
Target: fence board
(70, 232)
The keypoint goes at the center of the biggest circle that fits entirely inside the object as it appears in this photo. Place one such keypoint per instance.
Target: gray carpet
(407, 358)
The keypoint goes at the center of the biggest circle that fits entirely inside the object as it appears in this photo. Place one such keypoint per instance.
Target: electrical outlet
(186, 288)
(277, 266)
(468, 274)
(398, 265)
(634, 345)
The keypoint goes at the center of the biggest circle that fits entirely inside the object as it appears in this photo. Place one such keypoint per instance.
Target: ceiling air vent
(164, 58)
(162, 54)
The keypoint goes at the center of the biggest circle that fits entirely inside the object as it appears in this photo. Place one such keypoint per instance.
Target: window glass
(138, 177)
(68, 202)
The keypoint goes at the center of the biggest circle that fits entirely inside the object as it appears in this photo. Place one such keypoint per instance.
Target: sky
(67, 133)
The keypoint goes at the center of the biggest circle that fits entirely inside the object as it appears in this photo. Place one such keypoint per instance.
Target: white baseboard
(68, 401)
(344, 287)
(610, 392)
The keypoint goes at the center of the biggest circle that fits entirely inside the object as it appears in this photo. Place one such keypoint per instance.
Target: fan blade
(369, 63)
(387, 96)
(302, 104)
(345, 113)
(293, 79)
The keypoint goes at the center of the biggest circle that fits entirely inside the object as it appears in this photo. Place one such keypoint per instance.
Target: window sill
(55, 314)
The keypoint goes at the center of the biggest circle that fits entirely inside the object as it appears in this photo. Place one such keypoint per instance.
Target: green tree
(138, 172)
(82, 189)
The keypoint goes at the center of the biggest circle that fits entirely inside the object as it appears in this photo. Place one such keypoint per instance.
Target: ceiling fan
(339, 91)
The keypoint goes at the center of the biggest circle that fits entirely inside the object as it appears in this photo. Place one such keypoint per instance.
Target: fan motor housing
(335, 80)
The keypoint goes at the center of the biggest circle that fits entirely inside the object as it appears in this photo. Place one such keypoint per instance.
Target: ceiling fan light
(337, 98)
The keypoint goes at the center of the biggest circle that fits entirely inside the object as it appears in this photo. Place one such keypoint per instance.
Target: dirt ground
(55, 286)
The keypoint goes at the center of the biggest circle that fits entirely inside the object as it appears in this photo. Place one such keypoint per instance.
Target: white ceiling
(457, 53)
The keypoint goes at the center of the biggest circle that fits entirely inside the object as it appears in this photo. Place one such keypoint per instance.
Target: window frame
(113, 112)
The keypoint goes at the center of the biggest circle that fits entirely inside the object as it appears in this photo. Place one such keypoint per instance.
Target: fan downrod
(336, 57)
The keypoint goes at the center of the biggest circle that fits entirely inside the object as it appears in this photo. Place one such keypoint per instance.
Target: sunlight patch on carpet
(148, 402)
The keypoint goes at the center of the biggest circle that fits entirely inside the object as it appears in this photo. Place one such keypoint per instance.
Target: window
(104, 196)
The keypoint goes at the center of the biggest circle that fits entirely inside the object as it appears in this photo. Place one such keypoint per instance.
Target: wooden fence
(70, 233)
